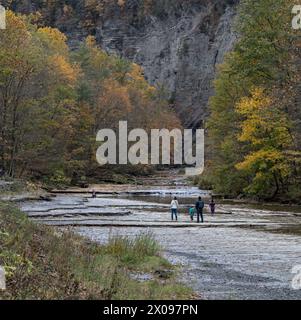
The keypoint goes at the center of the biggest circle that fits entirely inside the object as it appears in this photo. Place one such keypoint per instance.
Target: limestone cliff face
(179, 43)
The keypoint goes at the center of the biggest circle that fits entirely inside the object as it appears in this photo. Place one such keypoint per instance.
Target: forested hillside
(178, 43)
(53, 101)
(255, 124)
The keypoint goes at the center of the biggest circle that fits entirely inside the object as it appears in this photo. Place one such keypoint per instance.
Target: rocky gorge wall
(179, 43)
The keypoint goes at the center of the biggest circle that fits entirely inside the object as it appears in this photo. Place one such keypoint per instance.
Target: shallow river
(243, 252)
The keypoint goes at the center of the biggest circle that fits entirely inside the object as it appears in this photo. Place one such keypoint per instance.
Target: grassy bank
(46, 263)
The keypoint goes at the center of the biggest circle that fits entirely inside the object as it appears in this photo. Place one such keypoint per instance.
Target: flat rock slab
(101, 223)
(21, 197)
(74, 215)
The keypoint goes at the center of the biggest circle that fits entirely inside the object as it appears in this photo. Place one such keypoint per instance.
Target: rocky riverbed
(242, 252)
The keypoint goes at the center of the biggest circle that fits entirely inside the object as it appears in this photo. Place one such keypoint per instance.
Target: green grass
(131, 252)
(46, 263)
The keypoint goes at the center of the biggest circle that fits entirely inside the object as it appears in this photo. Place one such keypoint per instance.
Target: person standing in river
(212, 206)
(199, 206)
(174, 208)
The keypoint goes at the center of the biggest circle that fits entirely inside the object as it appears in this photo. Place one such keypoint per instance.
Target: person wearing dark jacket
(212, 206)
(199, 206)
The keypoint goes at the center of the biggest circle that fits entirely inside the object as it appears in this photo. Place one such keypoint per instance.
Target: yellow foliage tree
(266, 128)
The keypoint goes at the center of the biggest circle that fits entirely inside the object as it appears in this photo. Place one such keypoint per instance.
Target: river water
(242, 252)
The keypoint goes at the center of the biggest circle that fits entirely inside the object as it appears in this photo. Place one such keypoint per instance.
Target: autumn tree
(116, 90)
(267, 130)
(37, 91)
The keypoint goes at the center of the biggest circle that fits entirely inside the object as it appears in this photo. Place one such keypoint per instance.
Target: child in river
(191, 213)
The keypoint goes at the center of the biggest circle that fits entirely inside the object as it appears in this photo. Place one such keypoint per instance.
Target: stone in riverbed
(164, 274)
